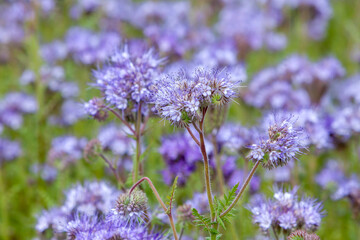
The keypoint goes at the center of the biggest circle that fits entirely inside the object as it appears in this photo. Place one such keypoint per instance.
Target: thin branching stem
(206, 164)
(143, 127)
(159, 200)
(113, 169)
(247, 181)
(122, 120)
(193, 136)
(138, 144)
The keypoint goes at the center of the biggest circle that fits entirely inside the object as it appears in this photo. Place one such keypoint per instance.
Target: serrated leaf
(171, 196)
(201, 220)
(220, 221)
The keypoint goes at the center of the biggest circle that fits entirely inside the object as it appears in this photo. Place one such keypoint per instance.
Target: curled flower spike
(180, 98)
(96, 108)
(130, 206)
(283, 143)
(302, 235)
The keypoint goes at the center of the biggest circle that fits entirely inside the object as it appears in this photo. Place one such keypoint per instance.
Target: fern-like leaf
(201, 220)
(171, 196)
(221, 205)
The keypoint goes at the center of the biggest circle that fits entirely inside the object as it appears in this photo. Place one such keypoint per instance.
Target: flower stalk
(166, 210)
(246, 183)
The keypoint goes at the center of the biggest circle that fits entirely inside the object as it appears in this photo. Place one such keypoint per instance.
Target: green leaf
(201, 220)
(171, 196)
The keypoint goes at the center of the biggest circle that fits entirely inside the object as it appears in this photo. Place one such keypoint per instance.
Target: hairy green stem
(206, 164)
(168, 213)
(114, 171)
(247, 181)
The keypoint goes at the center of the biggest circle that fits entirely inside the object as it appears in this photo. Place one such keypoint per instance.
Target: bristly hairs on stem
(167, 210)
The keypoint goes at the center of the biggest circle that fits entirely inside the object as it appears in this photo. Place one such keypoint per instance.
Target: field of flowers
(188, 119)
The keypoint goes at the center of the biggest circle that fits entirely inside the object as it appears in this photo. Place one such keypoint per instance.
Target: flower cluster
(169, 26)
(285, 212)
(181, 155)
(131, 206)
(89, 199)
(333, 177)
(12, 18)
(9, 150)
(293, 84)
(68, 149)
(114, 139)
(179, 98)
(235, 138)
(88, 47)
(283, 143)
(127, 80)
(84, 227)
(12, 108)
(255, 28)
(53, 77)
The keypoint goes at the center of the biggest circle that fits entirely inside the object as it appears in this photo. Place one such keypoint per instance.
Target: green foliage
(221, 205)
(171, 196)
(204, 222)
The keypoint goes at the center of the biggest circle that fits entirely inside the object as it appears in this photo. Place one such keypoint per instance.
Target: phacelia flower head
(302, 235)
(131, 206)
(283, 143)
(128, 78)
(180, 98)
(82, 202)
(286, 212)
(96, 108)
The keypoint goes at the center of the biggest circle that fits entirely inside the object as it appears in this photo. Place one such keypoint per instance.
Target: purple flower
(293, 84)
(87, 200)
(287, 221)
(346, 122)
(9, 150)
(181, 155)
(12, 19)
(47, 172)
(235, 138)
(283, 143)
(129, 77)
(68, 149)
(13, 106)
(88, 47)
(115, 139)
(170, 27)
(54, 78)
(286, 212)
(309, 212)
(233, 175)
(330, 174)
(54, 51)
(199, 202)
(255, 28)
(179, 98)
